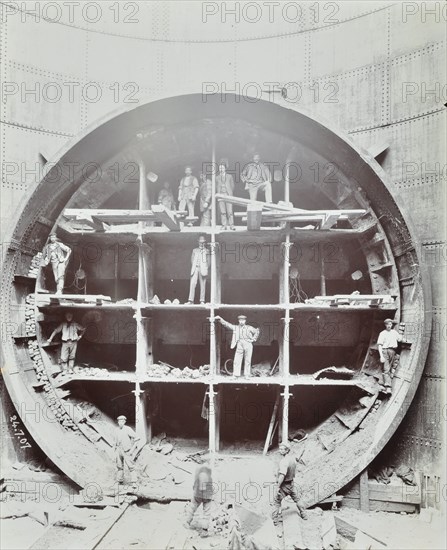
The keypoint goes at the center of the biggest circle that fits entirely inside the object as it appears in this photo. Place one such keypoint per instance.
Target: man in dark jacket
(202, 495)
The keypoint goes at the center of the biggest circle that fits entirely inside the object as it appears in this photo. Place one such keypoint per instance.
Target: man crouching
(285, 479)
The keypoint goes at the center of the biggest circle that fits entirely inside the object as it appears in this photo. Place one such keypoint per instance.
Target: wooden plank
(271, 426)
(284, 218)
(56, 298)
(287, 209)
(364, 491)
(396, 491)
(328, 530)
(166, 217)
(355, 297)
(254, 217)
(238, 201)
(381, 506)
(91, 221)
(109, 215)
(329, 221)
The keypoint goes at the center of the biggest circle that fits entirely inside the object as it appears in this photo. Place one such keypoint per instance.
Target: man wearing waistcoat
(57, 254)
(71, 333)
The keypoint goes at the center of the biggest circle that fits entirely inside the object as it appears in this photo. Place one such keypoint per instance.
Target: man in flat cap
(126, 443)
(200, 263)
(71, 333)
(57, 254)
(285, 483)
(243, 337)
(387, 346)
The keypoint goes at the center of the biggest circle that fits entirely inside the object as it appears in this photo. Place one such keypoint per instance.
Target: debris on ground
(162, 370)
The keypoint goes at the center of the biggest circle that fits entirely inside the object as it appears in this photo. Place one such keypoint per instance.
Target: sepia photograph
(223, 275)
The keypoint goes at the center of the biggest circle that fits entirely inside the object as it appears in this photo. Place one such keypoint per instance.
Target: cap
(202, 239)
(285, 444)
(241, 316)
(122, 417)
(389, 321)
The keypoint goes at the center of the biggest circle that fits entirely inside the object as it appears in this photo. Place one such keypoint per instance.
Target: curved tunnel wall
(161, 56)
(52, 193)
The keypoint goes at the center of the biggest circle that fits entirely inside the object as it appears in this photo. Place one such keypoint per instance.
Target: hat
(389, 321)
(202, 239)
(241, 316)
(122, 417)
(285, 444)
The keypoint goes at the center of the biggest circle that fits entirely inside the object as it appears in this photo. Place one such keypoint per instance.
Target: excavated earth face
(347, 423)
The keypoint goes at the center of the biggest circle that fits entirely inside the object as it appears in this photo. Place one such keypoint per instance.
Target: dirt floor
(246, 481)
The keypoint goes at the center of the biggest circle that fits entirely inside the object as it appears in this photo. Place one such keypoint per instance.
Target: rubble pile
(220, 520)
(30, 322)
(203, 370)
(34, 352)
(85, 370)
(162, 370)
(158, 371)
(35, 265)
(51, 397)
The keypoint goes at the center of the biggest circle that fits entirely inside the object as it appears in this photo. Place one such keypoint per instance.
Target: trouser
(195, 503)
(266, 186)
(123, 461)
(187, 202)
(193, 283)
(68, 354)
(389, 354)
(226, 213)
(59, 273)
(244, 351)
(286, 489)
(205, 220)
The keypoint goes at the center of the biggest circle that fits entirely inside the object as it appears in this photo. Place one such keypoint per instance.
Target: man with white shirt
(57, 254)
(187, 192)
(243, 337)
(387, 345)
(71, 333)
(126, 443)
